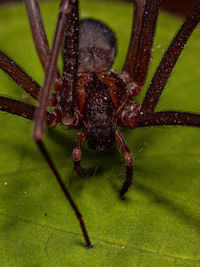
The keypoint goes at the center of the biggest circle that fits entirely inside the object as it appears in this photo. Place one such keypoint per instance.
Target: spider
(89, 96)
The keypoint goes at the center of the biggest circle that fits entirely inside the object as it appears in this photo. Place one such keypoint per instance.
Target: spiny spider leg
(22, 79)
(65, 191)
(39, 36)
(138, 56)
(129, 162)
(17, 107)
(64, 13)
(70, 66)
(146, 41)
(168, 62)
(66, 8)
(166, 118)
(38, 31)
(131, 57)
(77, 151)
(19, 76)
(22, 109)
(27, 111)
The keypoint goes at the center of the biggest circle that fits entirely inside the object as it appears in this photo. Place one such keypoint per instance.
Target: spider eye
(109, 105)
(97, 46)
(90, 107)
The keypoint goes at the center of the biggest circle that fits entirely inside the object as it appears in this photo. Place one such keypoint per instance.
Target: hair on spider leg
(90, 97)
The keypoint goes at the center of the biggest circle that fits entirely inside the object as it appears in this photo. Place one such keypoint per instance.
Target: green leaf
(158, 223)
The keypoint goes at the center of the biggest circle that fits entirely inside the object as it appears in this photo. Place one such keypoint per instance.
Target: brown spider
(89, 95)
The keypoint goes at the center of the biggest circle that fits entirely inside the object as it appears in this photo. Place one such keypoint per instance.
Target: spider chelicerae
(89, 96)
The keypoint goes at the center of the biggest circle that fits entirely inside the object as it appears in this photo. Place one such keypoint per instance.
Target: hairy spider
(89, 95)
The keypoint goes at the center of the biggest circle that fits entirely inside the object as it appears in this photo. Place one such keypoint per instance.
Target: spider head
(100, 138)
(100, 126)
(99, 115)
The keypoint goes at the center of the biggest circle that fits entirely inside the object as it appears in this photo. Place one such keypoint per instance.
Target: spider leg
(65, 191)
(64, 13)
(39, 37)
(66, 7)
(77, 151)
(22, 109)
(169, 60)
(129, 162)
(166, 118)
(17, 107)
(139, 52)
(19, 76)
(70, 66)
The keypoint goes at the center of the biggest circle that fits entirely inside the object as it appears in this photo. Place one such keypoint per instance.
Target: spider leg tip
(89, 246)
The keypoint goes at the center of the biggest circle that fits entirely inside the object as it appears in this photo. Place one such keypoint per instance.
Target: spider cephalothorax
(99, 96)
(99, 115)
(90, 96)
